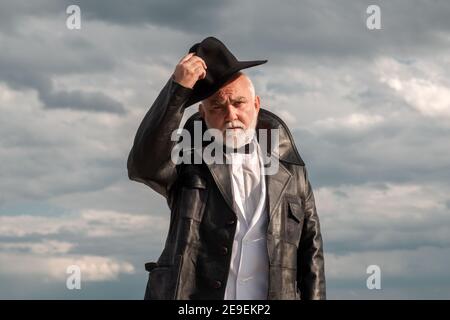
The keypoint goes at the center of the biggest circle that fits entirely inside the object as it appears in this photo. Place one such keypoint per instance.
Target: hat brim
(200, 93)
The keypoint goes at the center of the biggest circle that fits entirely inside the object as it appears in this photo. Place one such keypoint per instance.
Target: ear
(257, 103)
(201, 109)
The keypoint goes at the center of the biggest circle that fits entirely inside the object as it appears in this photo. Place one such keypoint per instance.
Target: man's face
(233, 110)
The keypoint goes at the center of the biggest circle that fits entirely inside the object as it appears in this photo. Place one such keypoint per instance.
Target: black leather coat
(195, 261)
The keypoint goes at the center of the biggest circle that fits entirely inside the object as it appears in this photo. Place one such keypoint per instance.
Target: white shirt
(249, 268)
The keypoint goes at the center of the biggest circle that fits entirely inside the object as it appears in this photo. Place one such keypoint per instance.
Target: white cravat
(248, 274)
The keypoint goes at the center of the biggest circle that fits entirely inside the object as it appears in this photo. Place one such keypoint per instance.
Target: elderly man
(236, 232)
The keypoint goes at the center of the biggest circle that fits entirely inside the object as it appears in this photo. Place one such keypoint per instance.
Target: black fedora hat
(222, 65)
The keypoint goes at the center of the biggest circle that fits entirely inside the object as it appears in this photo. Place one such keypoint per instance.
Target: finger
(203, 76)
(186, 57)
(201, 72)
(193, 64)
(197, 58)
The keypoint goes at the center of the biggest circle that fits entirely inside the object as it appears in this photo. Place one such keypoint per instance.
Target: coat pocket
(294, 220)
(163, 280)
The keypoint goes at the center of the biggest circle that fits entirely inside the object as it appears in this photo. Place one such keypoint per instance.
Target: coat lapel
(222, 176)
(276, 184)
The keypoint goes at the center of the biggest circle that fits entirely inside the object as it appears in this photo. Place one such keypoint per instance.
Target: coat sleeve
(149, 161)
(310, 264)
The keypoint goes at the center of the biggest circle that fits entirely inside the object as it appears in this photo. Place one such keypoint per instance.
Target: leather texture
(195, 261)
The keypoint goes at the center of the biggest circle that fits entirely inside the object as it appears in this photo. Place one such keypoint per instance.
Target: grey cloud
(404, 146)
(196, 16)
(44, 157)
(80, 100)
(321, 30)
(12, 12)
(126, 287)
(28, 64)
(57, 99)
(330, 32)
(393, 152)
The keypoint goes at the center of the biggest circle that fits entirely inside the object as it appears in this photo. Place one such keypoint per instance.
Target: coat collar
(286, 154)
(287, 151)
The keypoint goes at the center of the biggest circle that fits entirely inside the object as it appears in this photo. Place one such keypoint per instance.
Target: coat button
(231, 221)
(216, 284)
(223, 250)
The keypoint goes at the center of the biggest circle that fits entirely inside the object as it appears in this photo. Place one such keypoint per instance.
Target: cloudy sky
(369, 110)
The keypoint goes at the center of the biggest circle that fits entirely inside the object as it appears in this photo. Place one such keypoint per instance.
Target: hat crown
(212, 51)
(221, 65)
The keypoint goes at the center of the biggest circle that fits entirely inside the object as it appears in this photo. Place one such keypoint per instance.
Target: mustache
(234, 124)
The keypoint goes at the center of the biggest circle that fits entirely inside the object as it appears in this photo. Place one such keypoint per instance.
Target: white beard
(236, 138)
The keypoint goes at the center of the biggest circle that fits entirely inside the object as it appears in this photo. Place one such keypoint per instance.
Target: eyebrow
(240, 99)
(222, 101)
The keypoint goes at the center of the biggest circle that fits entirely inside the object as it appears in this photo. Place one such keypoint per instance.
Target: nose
(231, 114)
